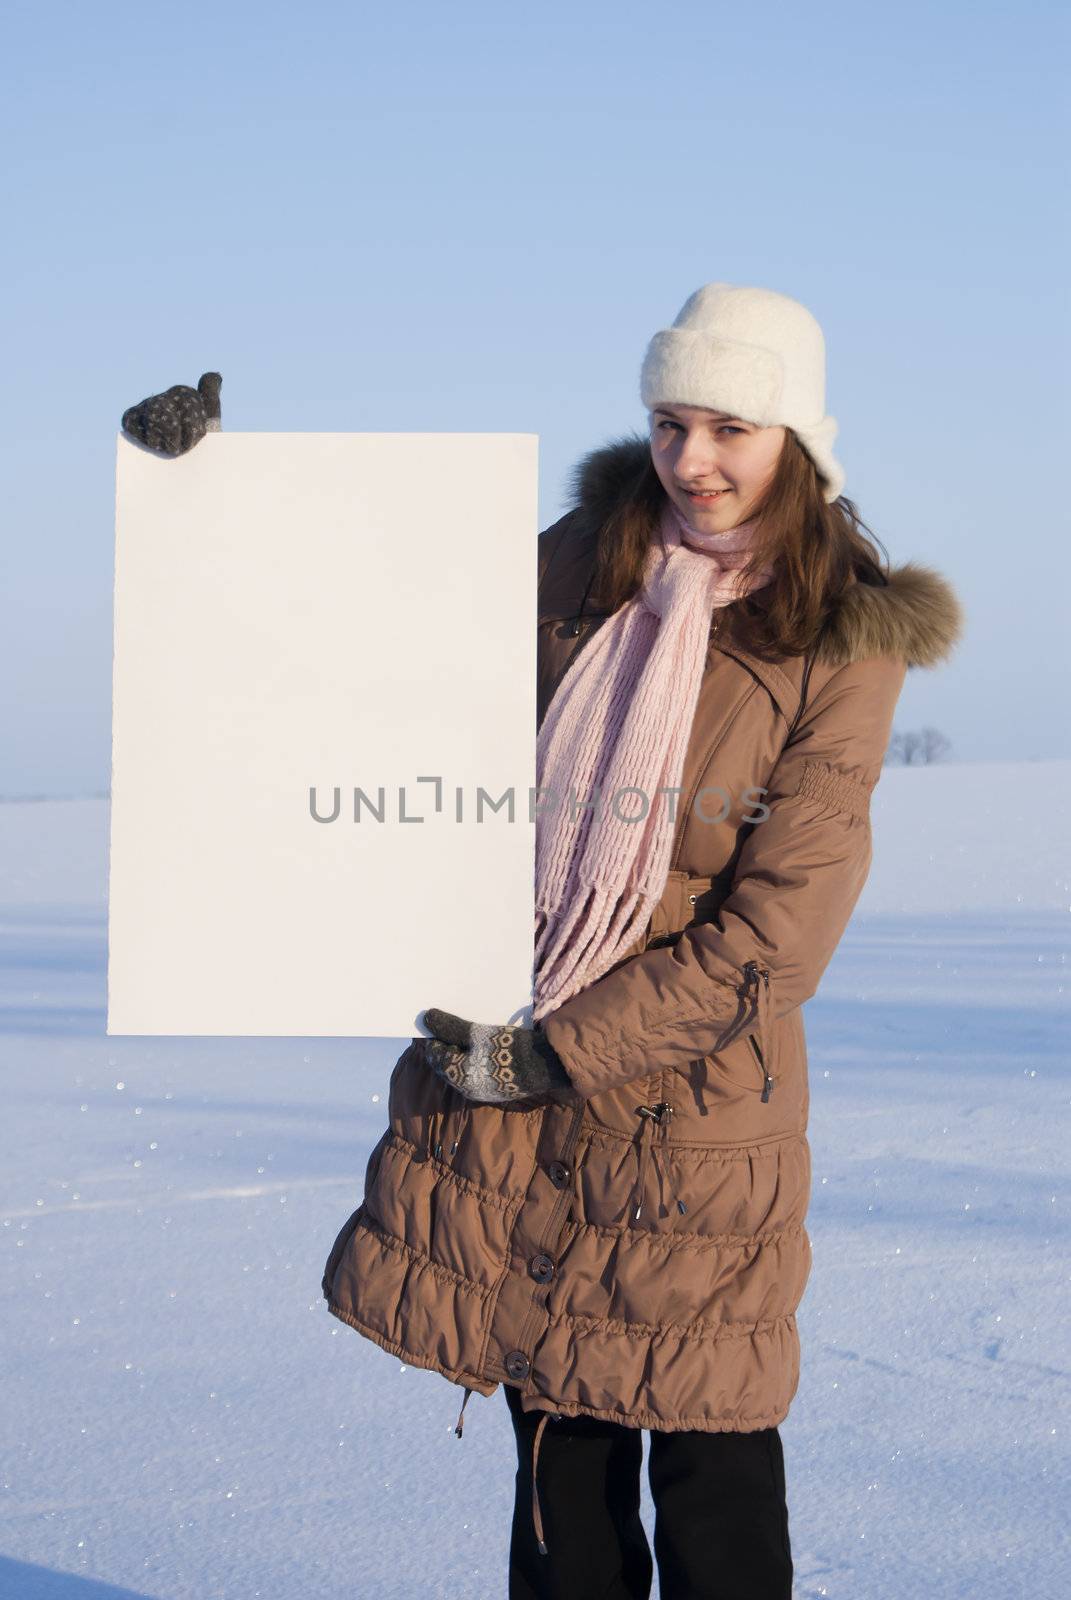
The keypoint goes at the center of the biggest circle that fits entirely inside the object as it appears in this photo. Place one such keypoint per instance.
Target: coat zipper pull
(761, 978)
(764, 1031)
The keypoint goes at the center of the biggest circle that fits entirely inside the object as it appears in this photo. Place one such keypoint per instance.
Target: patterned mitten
(173, 422)
(495, 1064)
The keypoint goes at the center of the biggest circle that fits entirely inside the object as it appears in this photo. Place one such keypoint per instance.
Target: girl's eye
(726, 427)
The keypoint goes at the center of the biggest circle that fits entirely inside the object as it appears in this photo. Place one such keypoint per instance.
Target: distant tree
(935, 746)
(917, 747)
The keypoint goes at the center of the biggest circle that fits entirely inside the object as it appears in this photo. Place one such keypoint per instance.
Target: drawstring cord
(659, 1113)
(645, 1156)
(537, 1515)
(463, 1118)
(436, 1123)
(461, 1413)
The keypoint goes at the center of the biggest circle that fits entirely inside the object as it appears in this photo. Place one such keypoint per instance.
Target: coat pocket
(737, 1067)
(746, 1061)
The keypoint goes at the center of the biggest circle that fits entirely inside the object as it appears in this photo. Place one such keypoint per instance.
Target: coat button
(559, 1174)
(541, 1268)
(517, 1364)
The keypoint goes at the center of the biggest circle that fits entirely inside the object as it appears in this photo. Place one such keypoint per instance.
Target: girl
(605, 1213)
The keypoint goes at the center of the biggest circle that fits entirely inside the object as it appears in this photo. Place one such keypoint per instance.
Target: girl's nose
(697, 458)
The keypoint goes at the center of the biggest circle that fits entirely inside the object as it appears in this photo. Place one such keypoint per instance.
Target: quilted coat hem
(468, 1379)
(655, 1423)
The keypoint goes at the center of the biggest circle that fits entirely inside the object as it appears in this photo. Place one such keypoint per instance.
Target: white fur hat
(754, 353)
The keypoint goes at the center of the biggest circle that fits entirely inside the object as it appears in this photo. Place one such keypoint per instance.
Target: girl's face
(696, 451)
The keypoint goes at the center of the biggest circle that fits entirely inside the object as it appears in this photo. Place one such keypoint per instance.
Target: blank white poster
(323, 744)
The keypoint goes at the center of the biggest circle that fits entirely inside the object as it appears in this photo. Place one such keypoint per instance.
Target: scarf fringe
(567, 969)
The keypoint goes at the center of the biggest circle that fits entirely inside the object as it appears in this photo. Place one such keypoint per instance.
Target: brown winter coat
(640, 1255)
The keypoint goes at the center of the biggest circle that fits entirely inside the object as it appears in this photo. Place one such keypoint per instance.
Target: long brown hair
(818, 549)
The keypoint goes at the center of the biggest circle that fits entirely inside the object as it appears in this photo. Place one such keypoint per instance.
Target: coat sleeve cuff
(560, 1087)
(599, 1054)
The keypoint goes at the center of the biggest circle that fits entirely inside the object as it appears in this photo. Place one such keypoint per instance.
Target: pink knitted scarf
(615, 734)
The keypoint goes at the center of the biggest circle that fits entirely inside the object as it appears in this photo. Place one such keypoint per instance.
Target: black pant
(721, 1519)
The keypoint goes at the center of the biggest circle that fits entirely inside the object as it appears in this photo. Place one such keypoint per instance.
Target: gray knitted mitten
(495, 1063)
(173, 422)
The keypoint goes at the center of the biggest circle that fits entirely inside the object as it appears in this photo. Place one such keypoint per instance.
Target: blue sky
(474, 217)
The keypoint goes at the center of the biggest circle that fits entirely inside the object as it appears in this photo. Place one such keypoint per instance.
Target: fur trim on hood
(915, 615)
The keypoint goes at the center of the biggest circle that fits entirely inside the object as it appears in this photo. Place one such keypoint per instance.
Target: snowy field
(183, 1419)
